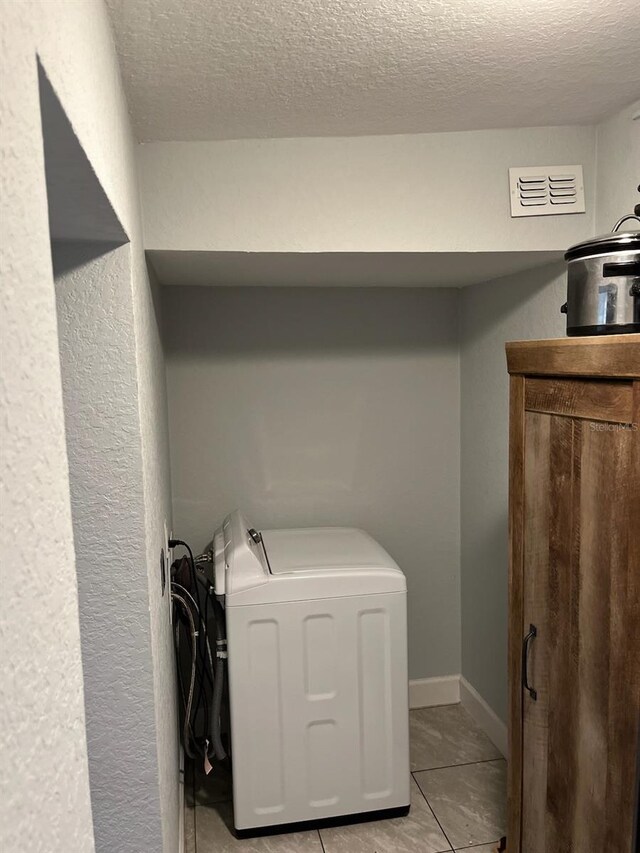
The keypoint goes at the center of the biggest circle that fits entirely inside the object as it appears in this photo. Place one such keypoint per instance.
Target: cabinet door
(581, 569)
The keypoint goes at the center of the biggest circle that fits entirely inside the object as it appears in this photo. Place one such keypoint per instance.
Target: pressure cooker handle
(624, 219)
(618, 268)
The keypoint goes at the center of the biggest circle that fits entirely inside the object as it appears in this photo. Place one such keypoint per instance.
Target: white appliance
(317, 640)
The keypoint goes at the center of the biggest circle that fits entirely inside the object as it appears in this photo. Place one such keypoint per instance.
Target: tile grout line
(412, 773)
(464, 764)
(321, 841)
(435, 817)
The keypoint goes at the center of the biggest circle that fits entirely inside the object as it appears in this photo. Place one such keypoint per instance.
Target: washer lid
(322, 562)
(325, 549)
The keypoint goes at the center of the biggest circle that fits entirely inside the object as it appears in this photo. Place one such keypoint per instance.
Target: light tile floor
(458, 801)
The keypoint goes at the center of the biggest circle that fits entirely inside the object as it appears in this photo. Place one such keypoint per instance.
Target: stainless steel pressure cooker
(603, 283)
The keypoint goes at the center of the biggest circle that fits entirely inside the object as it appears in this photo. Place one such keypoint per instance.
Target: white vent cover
(546, 190)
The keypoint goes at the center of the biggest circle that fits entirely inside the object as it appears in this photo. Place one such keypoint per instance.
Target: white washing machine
(317, 640)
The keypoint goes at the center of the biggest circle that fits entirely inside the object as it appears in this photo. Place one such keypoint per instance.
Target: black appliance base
(339, 820)
(626, 329)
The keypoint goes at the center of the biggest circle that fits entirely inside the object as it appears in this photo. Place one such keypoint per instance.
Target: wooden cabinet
(574, 595)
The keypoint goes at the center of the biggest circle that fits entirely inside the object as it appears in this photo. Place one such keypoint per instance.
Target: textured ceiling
(224, 69)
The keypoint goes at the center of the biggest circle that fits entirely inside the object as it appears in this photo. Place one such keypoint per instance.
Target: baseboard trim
(484, 715)
(427, 692)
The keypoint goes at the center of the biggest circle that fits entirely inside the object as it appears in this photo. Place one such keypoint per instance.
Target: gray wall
(325, 406)
(517, 307)
(429, 192)
(617, 167)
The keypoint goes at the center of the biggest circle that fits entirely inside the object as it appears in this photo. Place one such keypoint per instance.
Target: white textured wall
(99, 382)
(44, 802)
(427, 192)
(74, 43)
(519, 307)
(154, 421)
(309, 406)
(618, 167)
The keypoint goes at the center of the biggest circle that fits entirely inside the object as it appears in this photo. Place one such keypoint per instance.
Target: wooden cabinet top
(613, 356)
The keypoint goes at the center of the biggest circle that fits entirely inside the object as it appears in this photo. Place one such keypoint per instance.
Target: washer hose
(187, 715)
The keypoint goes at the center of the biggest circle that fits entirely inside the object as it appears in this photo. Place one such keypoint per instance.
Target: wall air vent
(546, 190)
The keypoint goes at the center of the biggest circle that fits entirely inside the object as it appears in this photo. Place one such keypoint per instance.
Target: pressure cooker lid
(605, 244)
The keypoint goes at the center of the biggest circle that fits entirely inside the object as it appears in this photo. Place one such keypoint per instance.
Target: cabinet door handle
(525, 660)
